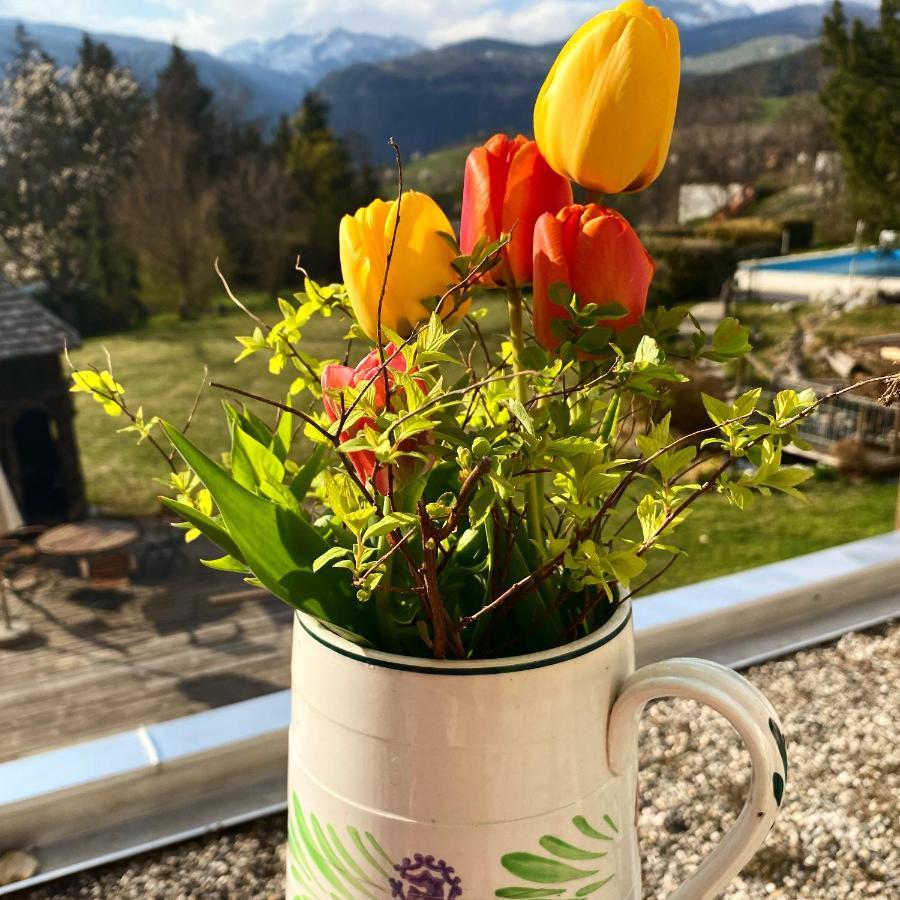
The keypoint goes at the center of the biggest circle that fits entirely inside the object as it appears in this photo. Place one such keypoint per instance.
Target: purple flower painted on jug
(423, 878)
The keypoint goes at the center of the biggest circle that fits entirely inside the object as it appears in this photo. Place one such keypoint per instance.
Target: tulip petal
(478, 219)
(550, 268)
(610, 265)
(605, 113)
(532, 188)
(421, 266)
(334, 378)
(597, 255)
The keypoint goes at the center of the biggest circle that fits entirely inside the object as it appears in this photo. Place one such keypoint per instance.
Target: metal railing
(849, 416)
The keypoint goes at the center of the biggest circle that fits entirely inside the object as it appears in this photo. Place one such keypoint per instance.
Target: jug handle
(754, 719)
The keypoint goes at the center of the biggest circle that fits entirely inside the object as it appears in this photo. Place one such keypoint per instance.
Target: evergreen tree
(324, 179)
(862, 97)
(182, 100)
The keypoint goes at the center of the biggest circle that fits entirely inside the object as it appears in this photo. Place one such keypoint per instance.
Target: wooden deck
(102, 661)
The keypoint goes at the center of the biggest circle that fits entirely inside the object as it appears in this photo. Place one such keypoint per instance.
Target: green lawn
(161, 365)
(720, 539)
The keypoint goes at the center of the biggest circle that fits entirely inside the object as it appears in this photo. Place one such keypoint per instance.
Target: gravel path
(835, 839)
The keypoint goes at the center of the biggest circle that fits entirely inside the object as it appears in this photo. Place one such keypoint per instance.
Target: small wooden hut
(38, 449)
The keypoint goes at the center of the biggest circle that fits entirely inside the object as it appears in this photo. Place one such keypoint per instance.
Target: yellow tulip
(421, 267)
(605, 113)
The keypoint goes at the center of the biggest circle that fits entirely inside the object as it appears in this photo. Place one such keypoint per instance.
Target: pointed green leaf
(542, 869)
(212, 529)
(591, 888)
(277, 544)
(304, 478)
(559, 847)
(581, 823)
(226, 564)
(521, 893)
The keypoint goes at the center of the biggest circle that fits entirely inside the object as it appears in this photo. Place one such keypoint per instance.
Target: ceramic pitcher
(424, 780)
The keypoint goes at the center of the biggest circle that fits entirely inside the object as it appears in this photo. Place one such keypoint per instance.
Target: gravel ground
(836, 837)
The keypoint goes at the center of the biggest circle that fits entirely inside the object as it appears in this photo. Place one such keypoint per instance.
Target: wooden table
(99, 545)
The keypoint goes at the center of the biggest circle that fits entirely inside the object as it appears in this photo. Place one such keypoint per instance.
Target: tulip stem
(534, 496)
(387, 627)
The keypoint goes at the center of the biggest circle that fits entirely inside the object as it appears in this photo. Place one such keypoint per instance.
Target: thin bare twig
(384, 283)
(190, 419)
(333, 438)
(262, 324)
(373, 567)
(466, 493)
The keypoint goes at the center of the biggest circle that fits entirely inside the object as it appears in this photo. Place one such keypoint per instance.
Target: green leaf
(651, 514)
(787, 479)
(730, 340)
(304, 478)
(718, 410)
(591, 888)
(542, 869)
(330, 554)
(625, 565)
(746, 403)
(252, 463)
(212, 529)
(226, 564)
(277, 544)
(517, 408)
(610, 418)
(648, 352)
(559, 847)
(582, 824)
(388, 523)
(521, 893)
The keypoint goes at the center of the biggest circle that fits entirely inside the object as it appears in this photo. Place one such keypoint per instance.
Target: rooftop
(28, 328)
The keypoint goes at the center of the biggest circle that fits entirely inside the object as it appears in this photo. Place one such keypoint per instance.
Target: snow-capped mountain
(702, 12)
(313, 56)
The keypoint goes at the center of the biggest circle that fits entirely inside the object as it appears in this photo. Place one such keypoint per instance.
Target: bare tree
(258, 209)
(169, 215)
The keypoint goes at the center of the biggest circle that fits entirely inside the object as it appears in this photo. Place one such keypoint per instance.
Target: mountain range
(313, 56)
(465, 91)
(379, 86)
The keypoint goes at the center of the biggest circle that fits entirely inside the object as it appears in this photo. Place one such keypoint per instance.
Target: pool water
(873, 263)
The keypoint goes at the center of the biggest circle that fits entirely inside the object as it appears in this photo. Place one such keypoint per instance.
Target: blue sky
(213, 24)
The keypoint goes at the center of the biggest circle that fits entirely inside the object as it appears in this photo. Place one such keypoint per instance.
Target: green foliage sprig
(442, 564)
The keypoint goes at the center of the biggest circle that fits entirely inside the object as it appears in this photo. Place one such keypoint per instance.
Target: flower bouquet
(444, 502)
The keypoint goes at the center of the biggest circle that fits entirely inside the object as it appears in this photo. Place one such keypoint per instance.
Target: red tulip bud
(335, 378)
(596, 254)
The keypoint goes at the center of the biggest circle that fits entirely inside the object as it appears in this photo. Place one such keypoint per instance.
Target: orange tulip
(508, 186)
(596, 254)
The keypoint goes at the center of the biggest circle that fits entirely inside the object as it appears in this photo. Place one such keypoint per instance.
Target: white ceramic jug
(516, 778)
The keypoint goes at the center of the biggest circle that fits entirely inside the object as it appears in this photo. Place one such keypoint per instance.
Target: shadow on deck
(102, 660)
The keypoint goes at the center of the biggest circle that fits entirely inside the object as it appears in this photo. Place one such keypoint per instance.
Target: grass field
(161, 366)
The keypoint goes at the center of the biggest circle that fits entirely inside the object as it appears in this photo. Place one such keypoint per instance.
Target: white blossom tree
(66, 140)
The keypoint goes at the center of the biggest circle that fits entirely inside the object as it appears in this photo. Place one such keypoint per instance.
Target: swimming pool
(806, 276)
(874, 263)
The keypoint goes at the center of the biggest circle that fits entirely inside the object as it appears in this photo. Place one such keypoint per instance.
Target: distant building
(700, 201)
(38, 450)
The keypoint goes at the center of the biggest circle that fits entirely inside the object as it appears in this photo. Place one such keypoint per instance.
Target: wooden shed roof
(29, 329)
